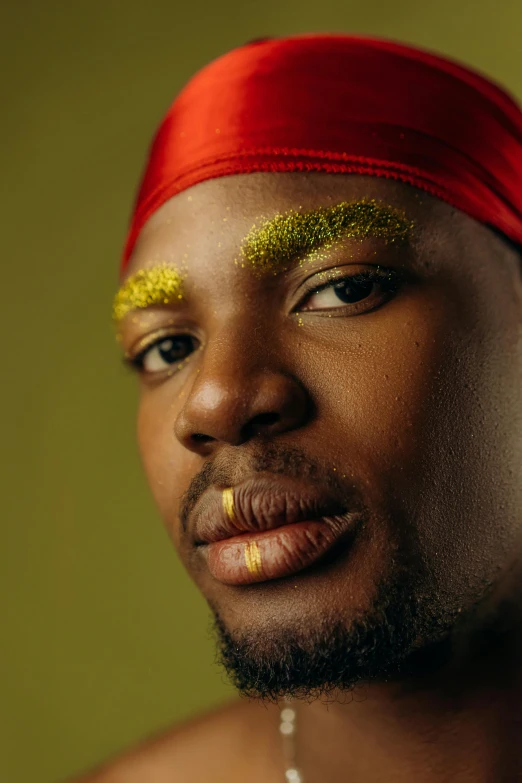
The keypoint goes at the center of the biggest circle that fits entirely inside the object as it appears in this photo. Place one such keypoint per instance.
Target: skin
(416, 404)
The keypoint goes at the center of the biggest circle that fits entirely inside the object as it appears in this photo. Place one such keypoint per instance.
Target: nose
(241, 391)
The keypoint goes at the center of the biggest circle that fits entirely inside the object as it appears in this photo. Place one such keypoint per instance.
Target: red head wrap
(341, 104)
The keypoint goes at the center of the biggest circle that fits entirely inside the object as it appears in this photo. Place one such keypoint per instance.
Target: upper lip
(260, 504)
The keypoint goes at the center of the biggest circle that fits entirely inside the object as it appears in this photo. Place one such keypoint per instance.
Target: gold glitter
(228, 502)
(162, 284)
(293, 235)
(253, 559)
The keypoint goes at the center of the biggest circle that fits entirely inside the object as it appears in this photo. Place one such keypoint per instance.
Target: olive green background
(104, 637)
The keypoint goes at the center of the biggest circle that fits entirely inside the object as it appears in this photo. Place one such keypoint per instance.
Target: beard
(406, 636)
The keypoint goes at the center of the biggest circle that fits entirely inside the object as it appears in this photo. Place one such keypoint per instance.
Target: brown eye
(350, 292)
(163, 353)
(351, 289)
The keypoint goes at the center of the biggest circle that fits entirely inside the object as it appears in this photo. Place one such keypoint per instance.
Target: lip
(278, 528)
(259, 557)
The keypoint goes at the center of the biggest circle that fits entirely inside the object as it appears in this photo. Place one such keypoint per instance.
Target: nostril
(200, 438)
(266, 418)
(262, 420)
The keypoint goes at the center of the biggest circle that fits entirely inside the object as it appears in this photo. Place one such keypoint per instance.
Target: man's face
(410, 402)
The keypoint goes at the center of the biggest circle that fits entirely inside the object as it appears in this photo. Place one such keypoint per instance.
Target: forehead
(202, 228)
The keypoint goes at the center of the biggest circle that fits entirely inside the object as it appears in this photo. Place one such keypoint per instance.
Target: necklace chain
(287, 729)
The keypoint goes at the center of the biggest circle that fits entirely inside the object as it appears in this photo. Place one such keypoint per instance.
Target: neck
(461, 721)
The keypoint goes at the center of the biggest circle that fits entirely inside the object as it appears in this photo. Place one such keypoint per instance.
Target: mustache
(278, 459)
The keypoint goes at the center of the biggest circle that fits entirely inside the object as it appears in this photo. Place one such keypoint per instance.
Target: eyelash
(390, 279)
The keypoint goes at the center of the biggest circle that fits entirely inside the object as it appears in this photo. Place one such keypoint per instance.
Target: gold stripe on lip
(228, 503)
(253, 559)
(252, 553)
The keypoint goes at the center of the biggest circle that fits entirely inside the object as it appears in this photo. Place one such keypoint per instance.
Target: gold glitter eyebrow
(275, 246)
(157, 285)
(292, 236)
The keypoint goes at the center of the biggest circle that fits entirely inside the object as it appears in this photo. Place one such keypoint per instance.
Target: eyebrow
(157, 285)
(295, 236)
(278, 244)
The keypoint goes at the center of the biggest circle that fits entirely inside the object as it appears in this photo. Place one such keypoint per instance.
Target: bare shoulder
(233, 742)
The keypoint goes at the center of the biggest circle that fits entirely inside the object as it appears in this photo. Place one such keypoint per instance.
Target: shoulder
(219, 745)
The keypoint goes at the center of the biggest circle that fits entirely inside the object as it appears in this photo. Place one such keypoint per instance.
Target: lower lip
(286, 550)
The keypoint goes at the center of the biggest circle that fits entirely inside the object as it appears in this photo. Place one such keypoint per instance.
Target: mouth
(264, 529)
(258, 557)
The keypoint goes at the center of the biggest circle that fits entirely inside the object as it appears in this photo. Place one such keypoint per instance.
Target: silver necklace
(287, 729)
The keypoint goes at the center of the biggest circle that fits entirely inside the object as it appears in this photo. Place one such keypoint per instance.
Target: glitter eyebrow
(157, 285)
(273, 247)
(279, 242)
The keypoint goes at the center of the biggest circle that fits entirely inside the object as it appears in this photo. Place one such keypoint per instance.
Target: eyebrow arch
(289, 237)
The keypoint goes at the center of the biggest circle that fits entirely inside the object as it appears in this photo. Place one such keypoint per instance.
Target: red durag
(342, 104)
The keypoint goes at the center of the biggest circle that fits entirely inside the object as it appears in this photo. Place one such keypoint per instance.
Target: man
(321, 296)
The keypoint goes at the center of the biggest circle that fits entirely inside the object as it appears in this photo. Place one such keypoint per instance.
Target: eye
(353, 289)
(163, 353)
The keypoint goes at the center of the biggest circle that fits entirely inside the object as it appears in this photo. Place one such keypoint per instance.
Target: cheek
(395, 400)
(424, 401)
(377, 385)
(153, 436)
(168, 466)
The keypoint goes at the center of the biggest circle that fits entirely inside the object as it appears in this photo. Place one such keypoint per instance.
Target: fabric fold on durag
(342, 104)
